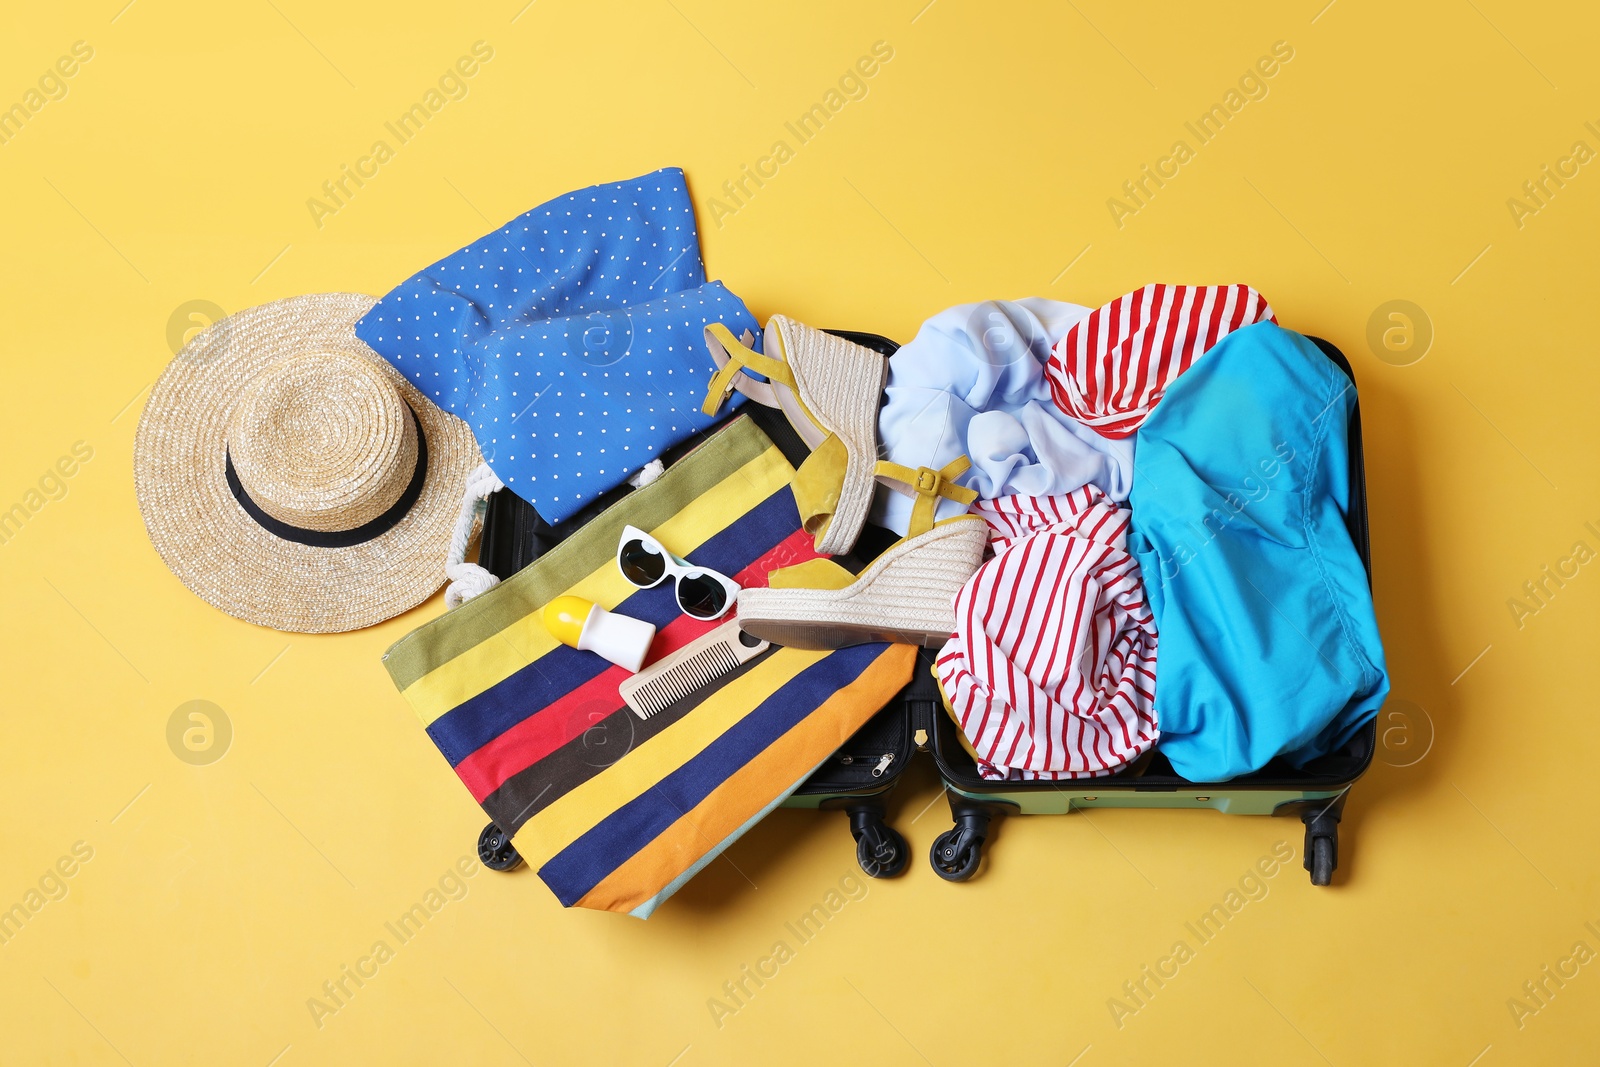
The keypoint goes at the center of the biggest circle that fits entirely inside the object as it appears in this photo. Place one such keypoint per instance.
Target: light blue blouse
(972, 383)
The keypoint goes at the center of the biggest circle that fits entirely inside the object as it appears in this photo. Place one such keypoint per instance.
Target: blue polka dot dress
(571, 340)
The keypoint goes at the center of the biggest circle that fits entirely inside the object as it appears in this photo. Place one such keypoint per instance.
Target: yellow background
(220, 898)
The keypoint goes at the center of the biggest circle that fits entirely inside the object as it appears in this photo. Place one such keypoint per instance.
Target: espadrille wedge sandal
(829, 389)
(906, 595)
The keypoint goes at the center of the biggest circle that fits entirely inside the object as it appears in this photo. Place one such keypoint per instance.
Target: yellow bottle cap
(564, 618)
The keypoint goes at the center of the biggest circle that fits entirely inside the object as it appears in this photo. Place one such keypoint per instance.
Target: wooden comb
(695, 665)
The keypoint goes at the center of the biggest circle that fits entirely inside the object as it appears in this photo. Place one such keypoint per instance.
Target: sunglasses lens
(641, 564)
(702, 596)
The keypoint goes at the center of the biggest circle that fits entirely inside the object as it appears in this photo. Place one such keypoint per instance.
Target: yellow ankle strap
(929, 485)
(733, 359)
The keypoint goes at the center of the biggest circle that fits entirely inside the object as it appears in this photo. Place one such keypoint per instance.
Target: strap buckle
(928, 481)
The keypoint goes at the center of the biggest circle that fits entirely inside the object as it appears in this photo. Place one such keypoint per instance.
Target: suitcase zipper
(922, 724)
(878, 771)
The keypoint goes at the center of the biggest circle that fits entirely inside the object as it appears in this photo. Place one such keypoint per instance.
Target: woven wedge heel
(829, 389)
(905, 596)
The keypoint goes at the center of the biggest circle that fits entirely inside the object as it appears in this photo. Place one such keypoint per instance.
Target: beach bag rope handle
(468, 580)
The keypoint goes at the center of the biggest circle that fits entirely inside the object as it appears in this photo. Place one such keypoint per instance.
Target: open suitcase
(860, 775)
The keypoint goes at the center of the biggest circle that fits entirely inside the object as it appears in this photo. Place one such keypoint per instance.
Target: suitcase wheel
(880, 849)
(1322, 844)
(495, 850)
(958, 851)
(1322, 859)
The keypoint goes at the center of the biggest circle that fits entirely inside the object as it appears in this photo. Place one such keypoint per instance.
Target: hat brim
(208, 540)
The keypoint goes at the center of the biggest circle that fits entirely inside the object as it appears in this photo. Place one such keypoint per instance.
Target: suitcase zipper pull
(883, 765)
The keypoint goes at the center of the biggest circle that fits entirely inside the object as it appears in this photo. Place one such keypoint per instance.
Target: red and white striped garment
(1111, 369)
(1051, 670)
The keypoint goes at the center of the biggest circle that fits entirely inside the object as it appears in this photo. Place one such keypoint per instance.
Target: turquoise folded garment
(1268, 644)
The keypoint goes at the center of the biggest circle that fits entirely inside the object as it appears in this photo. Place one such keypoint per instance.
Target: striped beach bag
(613, 811)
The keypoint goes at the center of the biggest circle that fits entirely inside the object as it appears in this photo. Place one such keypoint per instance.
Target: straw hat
(291, 477)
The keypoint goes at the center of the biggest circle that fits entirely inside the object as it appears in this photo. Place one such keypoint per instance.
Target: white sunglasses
(702, 593)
